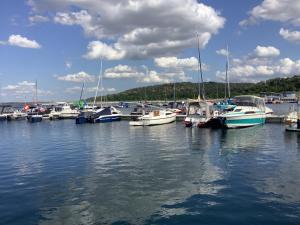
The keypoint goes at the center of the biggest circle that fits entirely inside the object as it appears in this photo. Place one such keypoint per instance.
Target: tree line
(213, 90)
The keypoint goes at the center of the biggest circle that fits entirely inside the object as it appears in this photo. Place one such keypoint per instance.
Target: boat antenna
(99, 79)
(227, 69)
(200, 71)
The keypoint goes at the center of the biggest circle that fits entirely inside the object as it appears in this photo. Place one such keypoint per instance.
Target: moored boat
(293, 127)
(199, 113)
(35, 113)
(63, 111)
(106, 114)
(84, 117)
(3, 117)
(35, 118)
(155, 117)
(293, 120)
(177, 107)
(292, 115)
(5, 110)
(249, 111)
(16, 115)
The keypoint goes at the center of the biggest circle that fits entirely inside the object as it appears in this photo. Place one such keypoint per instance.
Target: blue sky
(60, 43)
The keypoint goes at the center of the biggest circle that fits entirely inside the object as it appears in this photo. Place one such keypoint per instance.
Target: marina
(136, 112)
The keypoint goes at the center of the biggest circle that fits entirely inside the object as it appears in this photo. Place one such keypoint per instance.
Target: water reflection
(130, 179)
(266, 158)
(60, 173)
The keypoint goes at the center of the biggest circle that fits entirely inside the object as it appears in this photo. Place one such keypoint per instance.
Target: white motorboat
(16, 115)
(269, 112)
(293, 119)
(292, 115)
(155, 117)
(63, 111)
(5, 110)
(249, 111)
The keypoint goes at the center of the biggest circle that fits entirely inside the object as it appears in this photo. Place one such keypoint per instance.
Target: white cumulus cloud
(260, 66)
(38, 19)
(154, 77)
(23, 89)
(287, 11)
(266, 51)
(175, 63)
(23, 42)
(77, 77)
(136, 28)
(291, 36)
(223, 52)
(122, 71)
(98, 49)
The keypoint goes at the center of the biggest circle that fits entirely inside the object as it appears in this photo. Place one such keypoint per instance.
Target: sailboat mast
(227, 69)
(81, 92)
(174, 92)
(200, 71)
(101, 85)
(36, 98)
(145, 88)
(99, 79)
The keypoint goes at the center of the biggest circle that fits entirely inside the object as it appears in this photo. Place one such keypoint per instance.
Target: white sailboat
(34, 116)
(199, 112)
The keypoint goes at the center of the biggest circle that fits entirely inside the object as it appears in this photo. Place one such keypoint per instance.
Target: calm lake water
(61, 173)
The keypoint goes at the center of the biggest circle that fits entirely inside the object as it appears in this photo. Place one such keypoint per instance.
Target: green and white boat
(249, 111)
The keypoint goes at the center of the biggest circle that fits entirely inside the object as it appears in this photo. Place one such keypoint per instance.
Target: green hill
(186, 90)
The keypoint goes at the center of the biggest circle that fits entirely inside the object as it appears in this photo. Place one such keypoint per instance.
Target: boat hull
(293, 127)
(200, 122)
(243, 120)
(68, 116)
(3, 117)
(153, 121)
(14, 118)
(107, 119)
(35, 119)
(81, 120)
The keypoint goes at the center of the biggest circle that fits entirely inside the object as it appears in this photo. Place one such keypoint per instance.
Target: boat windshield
(248, 101)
